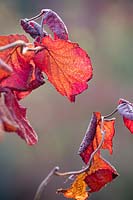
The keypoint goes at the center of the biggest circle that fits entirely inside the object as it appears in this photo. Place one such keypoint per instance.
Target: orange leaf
(5, 70)
(77, 190)
(100, 173)
(67, 66)
(93, 137)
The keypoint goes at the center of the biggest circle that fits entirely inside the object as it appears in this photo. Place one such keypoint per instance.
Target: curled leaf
(93, 136)
(6, 119)
(33, 28)
(66, 65)
(125, 108)
(14, 119)
(23, 68)
(96, 177)
(55, 24)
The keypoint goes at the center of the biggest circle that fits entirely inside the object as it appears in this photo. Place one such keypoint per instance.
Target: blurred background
(105, 30)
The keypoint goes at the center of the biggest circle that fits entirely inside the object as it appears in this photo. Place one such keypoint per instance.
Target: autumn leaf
(33, 28)
(77, 190)
(125, 108)
(93, 136)
(6, 119)
(5, 70)
(23, 67)
(55, 24)
(13, 117)
(66, 65)
(100, 173)
(96, 177)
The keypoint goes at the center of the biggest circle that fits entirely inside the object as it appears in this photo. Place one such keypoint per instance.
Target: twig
(112, 113)
(91, 157)
(55, 170)
(44, 183)
(36, 49)
(13, 44)
(35, 17)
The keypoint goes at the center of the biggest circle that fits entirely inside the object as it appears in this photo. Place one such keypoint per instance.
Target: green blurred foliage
(104, 29)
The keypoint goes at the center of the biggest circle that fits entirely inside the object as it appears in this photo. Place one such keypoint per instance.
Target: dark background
(105, 30)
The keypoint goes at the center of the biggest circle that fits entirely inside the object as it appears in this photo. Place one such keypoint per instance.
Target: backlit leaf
(100, 173)
(14, 118)
(96, 177)
(66, 65)
(23, 67)
(77, 190)
(6, 119)
(93, 137)
(5, 70)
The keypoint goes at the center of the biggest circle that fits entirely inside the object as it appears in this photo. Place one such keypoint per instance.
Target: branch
(112, 113)
(91, 157)
(19, 43)
(24, 45)
(55, 170)
(44, 183)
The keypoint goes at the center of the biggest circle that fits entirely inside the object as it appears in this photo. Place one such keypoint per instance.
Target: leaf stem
(44, 183)
(13, 44)
(112, 113)
(55, 170)
(91, 157)
(35, 17)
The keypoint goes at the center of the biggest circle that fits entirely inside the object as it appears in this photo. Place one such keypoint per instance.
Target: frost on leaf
(77, 190)
(125, 108)
(67, 66)
(23, 68)
(55, 24)
(13, 117)
(93, 136)
(33, 28)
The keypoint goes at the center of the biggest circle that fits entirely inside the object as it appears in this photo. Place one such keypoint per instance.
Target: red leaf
(7, 122)
(93, 137)
(5, 70)
(100, 173)
(17, 119)
(125, 108)
(129, 124)
(66, 65)
(22, 65)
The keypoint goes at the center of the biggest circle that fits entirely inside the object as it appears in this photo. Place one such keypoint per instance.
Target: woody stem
(20, 43)
(55, 170)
